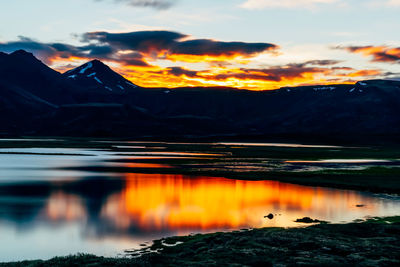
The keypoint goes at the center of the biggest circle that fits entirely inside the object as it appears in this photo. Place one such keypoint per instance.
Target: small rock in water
(269, 216)
(360, 205)
(308, 220)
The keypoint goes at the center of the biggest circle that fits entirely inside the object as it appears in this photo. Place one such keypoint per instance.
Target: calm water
(49, 209)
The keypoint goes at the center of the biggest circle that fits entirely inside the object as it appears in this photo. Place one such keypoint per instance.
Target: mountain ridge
(80, 105)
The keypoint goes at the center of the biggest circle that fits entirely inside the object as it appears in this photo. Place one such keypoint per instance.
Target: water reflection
(105, 215)
(155, 202)
(47, 210)
(65, 207)
(173, 203)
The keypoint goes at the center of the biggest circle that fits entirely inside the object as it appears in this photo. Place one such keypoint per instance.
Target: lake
(103, 197)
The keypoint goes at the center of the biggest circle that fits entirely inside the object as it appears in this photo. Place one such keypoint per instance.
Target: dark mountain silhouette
(22, 70)
(93, 100)
(98, 77)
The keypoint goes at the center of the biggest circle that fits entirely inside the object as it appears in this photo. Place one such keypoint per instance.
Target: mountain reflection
(140, 204)
(65, 207)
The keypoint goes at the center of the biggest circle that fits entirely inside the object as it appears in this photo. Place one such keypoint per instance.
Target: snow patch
(288, 90)
(90, 75)
(324, 88)
(131, 84)
(167, 91)
(122, 88)
(72, 76)
(108, 88)
(352, 90)
(362, 84)
(98, 80)
(85, 68)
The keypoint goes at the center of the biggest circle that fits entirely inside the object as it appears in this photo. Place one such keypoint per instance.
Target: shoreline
(375, 242)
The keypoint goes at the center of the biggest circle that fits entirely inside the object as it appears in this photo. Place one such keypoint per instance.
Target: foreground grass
(372, 243)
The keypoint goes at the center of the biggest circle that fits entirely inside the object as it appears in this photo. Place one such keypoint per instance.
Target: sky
(252, 44)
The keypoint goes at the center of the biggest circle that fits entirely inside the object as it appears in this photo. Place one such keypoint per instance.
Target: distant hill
(95, 75)
(93, 100)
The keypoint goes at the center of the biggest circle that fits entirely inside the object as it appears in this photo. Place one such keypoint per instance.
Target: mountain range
(94, 100)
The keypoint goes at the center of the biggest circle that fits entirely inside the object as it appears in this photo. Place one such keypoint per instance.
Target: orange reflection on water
(177, 202)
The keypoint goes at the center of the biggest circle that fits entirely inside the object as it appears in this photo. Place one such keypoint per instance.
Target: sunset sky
(253, 44)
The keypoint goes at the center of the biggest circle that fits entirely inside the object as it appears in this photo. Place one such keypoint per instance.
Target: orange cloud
(378, 53)
(231, 76)
(365, 73)
(145, 58)
(255, 79)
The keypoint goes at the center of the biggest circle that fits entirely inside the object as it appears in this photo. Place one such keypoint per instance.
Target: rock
(308, 220)
(269, 216)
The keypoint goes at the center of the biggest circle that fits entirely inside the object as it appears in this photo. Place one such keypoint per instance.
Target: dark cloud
(43, 50)
(135, 48)
(299, 71)
(132, 59)
(26, 44)
(217, 48)
(385, 57)
(49, 51)
(143, 41)
(157, 4)
(178, 71)
(248, 76)
(286, 72)
(342, 68)
(378, 53)
(273, 74)
(324, 62)
(174, 43)
(98, 50)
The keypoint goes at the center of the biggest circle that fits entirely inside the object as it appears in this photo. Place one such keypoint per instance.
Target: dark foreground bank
(372, 243)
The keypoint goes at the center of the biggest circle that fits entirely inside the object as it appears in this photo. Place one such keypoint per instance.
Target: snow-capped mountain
(97, 75)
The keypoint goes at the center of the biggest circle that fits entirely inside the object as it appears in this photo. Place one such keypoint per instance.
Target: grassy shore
(375, 242)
